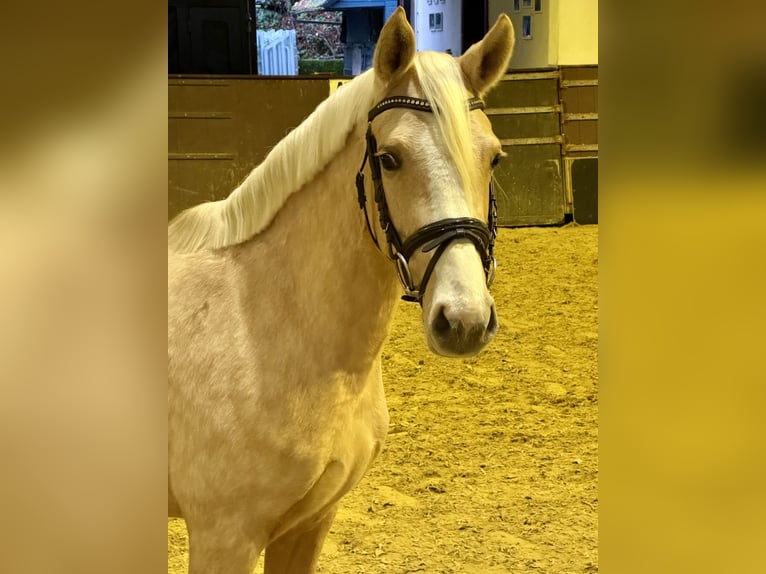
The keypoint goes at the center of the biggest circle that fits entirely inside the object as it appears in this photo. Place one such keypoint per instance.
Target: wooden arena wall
(220, 127)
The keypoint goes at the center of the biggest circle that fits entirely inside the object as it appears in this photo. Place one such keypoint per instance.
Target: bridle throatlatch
(434, 236)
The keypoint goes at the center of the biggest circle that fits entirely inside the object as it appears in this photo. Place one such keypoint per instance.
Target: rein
(434, 236)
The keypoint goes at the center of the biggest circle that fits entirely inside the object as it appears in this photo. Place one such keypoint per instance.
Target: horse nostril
(458, 331)
(492, 325)
(441, 325)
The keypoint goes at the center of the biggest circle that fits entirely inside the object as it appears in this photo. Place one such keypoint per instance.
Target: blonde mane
(441, 81)
(300, 156)
(292, 163)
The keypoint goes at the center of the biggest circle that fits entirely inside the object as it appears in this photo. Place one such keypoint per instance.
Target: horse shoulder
(204, 319)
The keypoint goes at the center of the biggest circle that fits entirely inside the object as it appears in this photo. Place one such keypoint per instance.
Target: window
(526, 27)
(538, 5)
(435, 22)
(527, 3)
(516, 5)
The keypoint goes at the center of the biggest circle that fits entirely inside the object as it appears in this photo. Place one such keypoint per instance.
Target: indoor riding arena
(491, 463)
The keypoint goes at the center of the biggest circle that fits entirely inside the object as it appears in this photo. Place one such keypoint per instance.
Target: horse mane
(305, 151)
(441, 80)
(292, 163)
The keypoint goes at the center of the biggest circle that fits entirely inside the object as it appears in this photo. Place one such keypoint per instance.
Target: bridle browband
(434, 236)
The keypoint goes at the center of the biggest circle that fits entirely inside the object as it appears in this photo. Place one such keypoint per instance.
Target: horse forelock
(290, 165)
(442, 84)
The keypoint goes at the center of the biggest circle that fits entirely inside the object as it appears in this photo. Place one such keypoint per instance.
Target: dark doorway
(475, 23)
(210, 37)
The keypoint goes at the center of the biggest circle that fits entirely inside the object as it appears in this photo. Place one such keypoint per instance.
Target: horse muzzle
(456, 331)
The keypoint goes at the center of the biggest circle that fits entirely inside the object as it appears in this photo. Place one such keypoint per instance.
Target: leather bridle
(434, 236)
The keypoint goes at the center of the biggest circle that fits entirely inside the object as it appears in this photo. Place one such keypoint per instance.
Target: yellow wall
(577, 32)
(565, 33)
(528, 53)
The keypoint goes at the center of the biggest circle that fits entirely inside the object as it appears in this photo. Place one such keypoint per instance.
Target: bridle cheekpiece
(434, 236)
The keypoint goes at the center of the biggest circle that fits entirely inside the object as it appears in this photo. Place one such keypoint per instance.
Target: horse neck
(325, 277)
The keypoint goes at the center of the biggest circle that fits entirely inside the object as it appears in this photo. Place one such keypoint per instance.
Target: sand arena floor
(491, 463)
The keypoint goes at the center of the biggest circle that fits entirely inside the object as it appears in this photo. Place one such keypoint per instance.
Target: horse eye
(389, 161)
(496, 160)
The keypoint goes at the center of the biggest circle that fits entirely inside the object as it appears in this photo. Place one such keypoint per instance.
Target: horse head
(431, 151)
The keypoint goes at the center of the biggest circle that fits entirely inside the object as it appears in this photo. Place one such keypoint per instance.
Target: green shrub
(308, 67)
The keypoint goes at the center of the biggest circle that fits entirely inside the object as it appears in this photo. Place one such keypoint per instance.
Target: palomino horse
(280, 298)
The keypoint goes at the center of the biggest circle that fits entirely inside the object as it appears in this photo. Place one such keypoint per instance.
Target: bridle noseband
(434, 236)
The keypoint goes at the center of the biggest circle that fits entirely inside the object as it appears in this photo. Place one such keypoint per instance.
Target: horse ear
(395, 49)
(486, 61)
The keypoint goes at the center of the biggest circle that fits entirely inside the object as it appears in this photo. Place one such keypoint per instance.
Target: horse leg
(221, 547)
(296, 552)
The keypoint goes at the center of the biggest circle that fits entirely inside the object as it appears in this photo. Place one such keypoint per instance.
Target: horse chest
(330, 457)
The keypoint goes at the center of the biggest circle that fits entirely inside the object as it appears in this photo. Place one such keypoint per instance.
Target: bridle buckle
(405, 277)
(491, 271)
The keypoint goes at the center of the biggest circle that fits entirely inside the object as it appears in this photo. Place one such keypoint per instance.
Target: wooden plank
(582, 132)
(200, 115)
(514, 76)
(530, 220)
(195, 97)
(579, 72)
(579, 154)
(526, 125)
(522, 110)
(532, 141)
(524, 94)
(201, 135)
(580, 100)
(578, 83)
(580, 147)
(584, 180)
(196, 82)
(529, 185)
(201, 155)
(580, 117)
